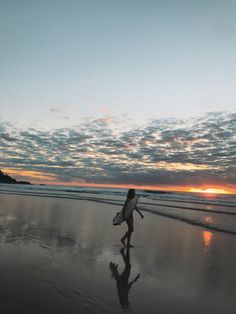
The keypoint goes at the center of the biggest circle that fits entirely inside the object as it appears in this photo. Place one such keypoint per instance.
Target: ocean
(210, 211)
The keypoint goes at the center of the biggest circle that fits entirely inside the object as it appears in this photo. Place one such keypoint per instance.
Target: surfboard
(118, 219)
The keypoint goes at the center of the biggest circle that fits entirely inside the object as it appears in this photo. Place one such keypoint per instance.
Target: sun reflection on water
(208, 219)
(207, 238)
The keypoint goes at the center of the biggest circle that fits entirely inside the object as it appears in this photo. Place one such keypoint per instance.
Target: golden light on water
(208, 219)
(207, 238)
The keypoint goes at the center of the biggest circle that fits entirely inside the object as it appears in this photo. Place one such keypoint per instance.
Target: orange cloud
(183, 166)
(104, 120)
(28, 175)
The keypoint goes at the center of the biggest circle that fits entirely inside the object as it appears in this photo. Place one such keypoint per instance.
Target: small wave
(193, 201)
(192, 208)
(65, 196)
(191, 221)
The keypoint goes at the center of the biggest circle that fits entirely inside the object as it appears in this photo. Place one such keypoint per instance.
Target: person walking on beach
(129, 220)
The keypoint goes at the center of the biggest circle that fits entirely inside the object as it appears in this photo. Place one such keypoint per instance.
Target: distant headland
(5, 178)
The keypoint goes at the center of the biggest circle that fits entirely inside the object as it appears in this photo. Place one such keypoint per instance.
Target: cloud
(103, 121)
(54, 110)
(200, 150)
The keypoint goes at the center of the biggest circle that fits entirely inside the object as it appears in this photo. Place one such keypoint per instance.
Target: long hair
(131, 193)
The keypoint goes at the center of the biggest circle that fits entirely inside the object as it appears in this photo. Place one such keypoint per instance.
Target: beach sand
(63, 256)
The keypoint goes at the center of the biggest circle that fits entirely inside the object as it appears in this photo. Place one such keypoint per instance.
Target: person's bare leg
(128, 240)
(122, 240)
(131, 229)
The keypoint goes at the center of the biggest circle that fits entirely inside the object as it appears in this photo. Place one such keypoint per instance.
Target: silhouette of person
(129, 220)
(122, 280)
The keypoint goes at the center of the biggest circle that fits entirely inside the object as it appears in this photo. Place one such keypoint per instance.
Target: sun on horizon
(211, 190)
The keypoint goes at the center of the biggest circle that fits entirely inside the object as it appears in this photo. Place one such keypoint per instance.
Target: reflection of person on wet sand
(122, 280)
(129, 220)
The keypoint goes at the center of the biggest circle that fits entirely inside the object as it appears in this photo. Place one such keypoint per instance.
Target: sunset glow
(36, 177)
(111, 112)
(212, 190)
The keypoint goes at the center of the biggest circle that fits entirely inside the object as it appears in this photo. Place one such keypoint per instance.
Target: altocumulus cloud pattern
(161, 152)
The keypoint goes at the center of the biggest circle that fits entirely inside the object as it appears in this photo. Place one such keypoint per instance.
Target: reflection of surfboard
(127, 211)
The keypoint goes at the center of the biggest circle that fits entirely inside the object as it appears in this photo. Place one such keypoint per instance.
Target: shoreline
(68, 250)
(155, 211)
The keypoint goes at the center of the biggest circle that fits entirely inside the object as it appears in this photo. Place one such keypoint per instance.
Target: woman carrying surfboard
(127, 215)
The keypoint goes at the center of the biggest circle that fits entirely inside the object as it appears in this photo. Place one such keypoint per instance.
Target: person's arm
(133, 281)
(139, 213)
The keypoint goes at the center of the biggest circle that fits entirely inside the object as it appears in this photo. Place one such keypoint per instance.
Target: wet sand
(64, 256)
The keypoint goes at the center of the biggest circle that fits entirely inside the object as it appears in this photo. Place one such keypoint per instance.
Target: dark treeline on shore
(5, 178)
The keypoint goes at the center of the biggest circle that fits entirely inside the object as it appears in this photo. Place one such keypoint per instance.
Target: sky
(119, 92)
